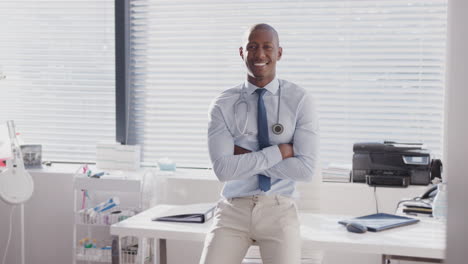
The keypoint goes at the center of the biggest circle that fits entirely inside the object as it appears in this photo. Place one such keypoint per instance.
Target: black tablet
(381, 221)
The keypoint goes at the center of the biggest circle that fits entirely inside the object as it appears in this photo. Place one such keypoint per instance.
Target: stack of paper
(337, 173)
(415, 208)
(115, 156)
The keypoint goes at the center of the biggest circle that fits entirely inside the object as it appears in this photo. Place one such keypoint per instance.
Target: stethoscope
(277, 128)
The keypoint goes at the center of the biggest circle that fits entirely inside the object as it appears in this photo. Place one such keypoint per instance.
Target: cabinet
(99, 203)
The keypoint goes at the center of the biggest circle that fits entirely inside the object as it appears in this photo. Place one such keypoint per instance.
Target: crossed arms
(296, 161)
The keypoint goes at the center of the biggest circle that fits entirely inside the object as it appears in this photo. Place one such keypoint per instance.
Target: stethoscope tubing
(276, 128)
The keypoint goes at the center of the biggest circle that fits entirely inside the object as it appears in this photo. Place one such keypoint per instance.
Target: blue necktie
(263, 139)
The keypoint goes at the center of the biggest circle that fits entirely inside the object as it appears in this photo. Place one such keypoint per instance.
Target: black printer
(391, 164)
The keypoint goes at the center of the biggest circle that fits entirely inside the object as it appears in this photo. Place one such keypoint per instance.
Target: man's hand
(286, 150)
(239, 150)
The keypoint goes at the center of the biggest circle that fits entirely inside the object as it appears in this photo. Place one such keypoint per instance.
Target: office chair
(309, 202)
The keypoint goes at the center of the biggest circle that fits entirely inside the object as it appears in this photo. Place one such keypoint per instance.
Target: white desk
(424, 241)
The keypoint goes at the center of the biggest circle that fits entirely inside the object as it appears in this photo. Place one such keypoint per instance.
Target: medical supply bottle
(439, 205)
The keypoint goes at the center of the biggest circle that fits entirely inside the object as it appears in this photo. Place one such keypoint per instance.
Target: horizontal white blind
(375, 67)
(58, 59)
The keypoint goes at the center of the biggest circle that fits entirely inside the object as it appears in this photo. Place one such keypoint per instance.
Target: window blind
(376, 69)
(58, 59)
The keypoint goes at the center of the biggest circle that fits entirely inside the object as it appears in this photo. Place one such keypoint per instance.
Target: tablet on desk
(381, 221)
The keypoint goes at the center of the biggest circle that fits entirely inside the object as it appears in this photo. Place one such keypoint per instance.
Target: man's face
(260, 54)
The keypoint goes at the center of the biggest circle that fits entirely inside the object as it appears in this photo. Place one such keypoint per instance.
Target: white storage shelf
(100, 251)
(93, 255)
(128, 255)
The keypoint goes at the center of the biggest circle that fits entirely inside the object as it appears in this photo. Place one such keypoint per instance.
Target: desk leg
(142, 250)
(162, 251)
(385, 259)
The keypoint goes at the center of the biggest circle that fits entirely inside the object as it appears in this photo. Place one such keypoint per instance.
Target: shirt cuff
(273, 155)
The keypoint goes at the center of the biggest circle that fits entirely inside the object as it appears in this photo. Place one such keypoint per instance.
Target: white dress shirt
(240, 172)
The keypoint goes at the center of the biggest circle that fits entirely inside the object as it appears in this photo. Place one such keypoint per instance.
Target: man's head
(260, 51)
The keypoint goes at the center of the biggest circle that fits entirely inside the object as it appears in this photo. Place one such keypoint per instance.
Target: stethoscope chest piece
(277, 129)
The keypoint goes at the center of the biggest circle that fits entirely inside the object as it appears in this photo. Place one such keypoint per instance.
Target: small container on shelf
(90, 250)
(106, 218)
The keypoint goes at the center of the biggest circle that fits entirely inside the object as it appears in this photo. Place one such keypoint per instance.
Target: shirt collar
(271, 87)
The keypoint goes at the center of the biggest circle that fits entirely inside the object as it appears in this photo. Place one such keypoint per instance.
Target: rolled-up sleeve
(302, 166)
(228, 166)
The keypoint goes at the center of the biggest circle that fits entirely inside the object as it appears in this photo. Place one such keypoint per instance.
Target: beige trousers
(271, 222)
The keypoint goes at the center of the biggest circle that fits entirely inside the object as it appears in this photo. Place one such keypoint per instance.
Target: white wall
(456, 131)
(48, 222)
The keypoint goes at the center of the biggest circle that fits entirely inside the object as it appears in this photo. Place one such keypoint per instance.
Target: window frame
(123, 71)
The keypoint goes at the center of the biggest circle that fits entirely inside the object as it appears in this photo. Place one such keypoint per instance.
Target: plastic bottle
(439, 205)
